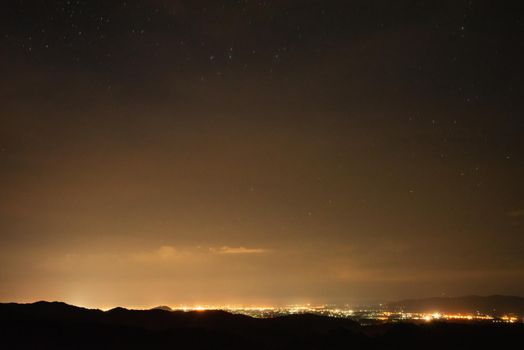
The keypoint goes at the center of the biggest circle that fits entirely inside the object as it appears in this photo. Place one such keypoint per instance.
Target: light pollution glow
(260, 152)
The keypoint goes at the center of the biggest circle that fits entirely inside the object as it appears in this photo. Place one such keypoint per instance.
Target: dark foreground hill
(496, 305)
(60, 326)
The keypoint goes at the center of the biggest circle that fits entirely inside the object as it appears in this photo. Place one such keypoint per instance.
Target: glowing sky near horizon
(260, 152)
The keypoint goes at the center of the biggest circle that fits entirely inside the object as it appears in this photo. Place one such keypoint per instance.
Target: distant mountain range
(496, 305)
(160, 319)
(55, 325)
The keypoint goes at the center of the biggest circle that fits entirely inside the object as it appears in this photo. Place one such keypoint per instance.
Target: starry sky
(260, 152)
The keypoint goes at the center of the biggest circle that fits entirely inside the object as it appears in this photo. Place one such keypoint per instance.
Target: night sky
(260, 152)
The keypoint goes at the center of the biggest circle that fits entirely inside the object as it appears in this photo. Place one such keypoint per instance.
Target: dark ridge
(45, 325)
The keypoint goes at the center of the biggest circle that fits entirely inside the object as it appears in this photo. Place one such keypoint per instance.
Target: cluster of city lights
(361, 315)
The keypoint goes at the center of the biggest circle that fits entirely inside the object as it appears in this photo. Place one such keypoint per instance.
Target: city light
(362, 315)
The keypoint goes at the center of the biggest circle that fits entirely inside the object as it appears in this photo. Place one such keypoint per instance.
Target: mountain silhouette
(162, 307)
(55, 325)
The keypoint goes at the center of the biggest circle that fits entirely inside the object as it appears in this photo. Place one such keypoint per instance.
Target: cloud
(163, 254)
(238, 250)
(516, 213)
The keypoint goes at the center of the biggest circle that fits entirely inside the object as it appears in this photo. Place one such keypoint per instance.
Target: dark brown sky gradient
(170, 152)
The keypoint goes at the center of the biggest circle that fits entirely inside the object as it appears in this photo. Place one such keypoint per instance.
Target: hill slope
(45, 325)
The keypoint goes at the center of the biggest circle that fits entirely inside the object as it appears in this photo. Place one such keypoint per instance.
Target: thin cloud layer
(238, 250)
